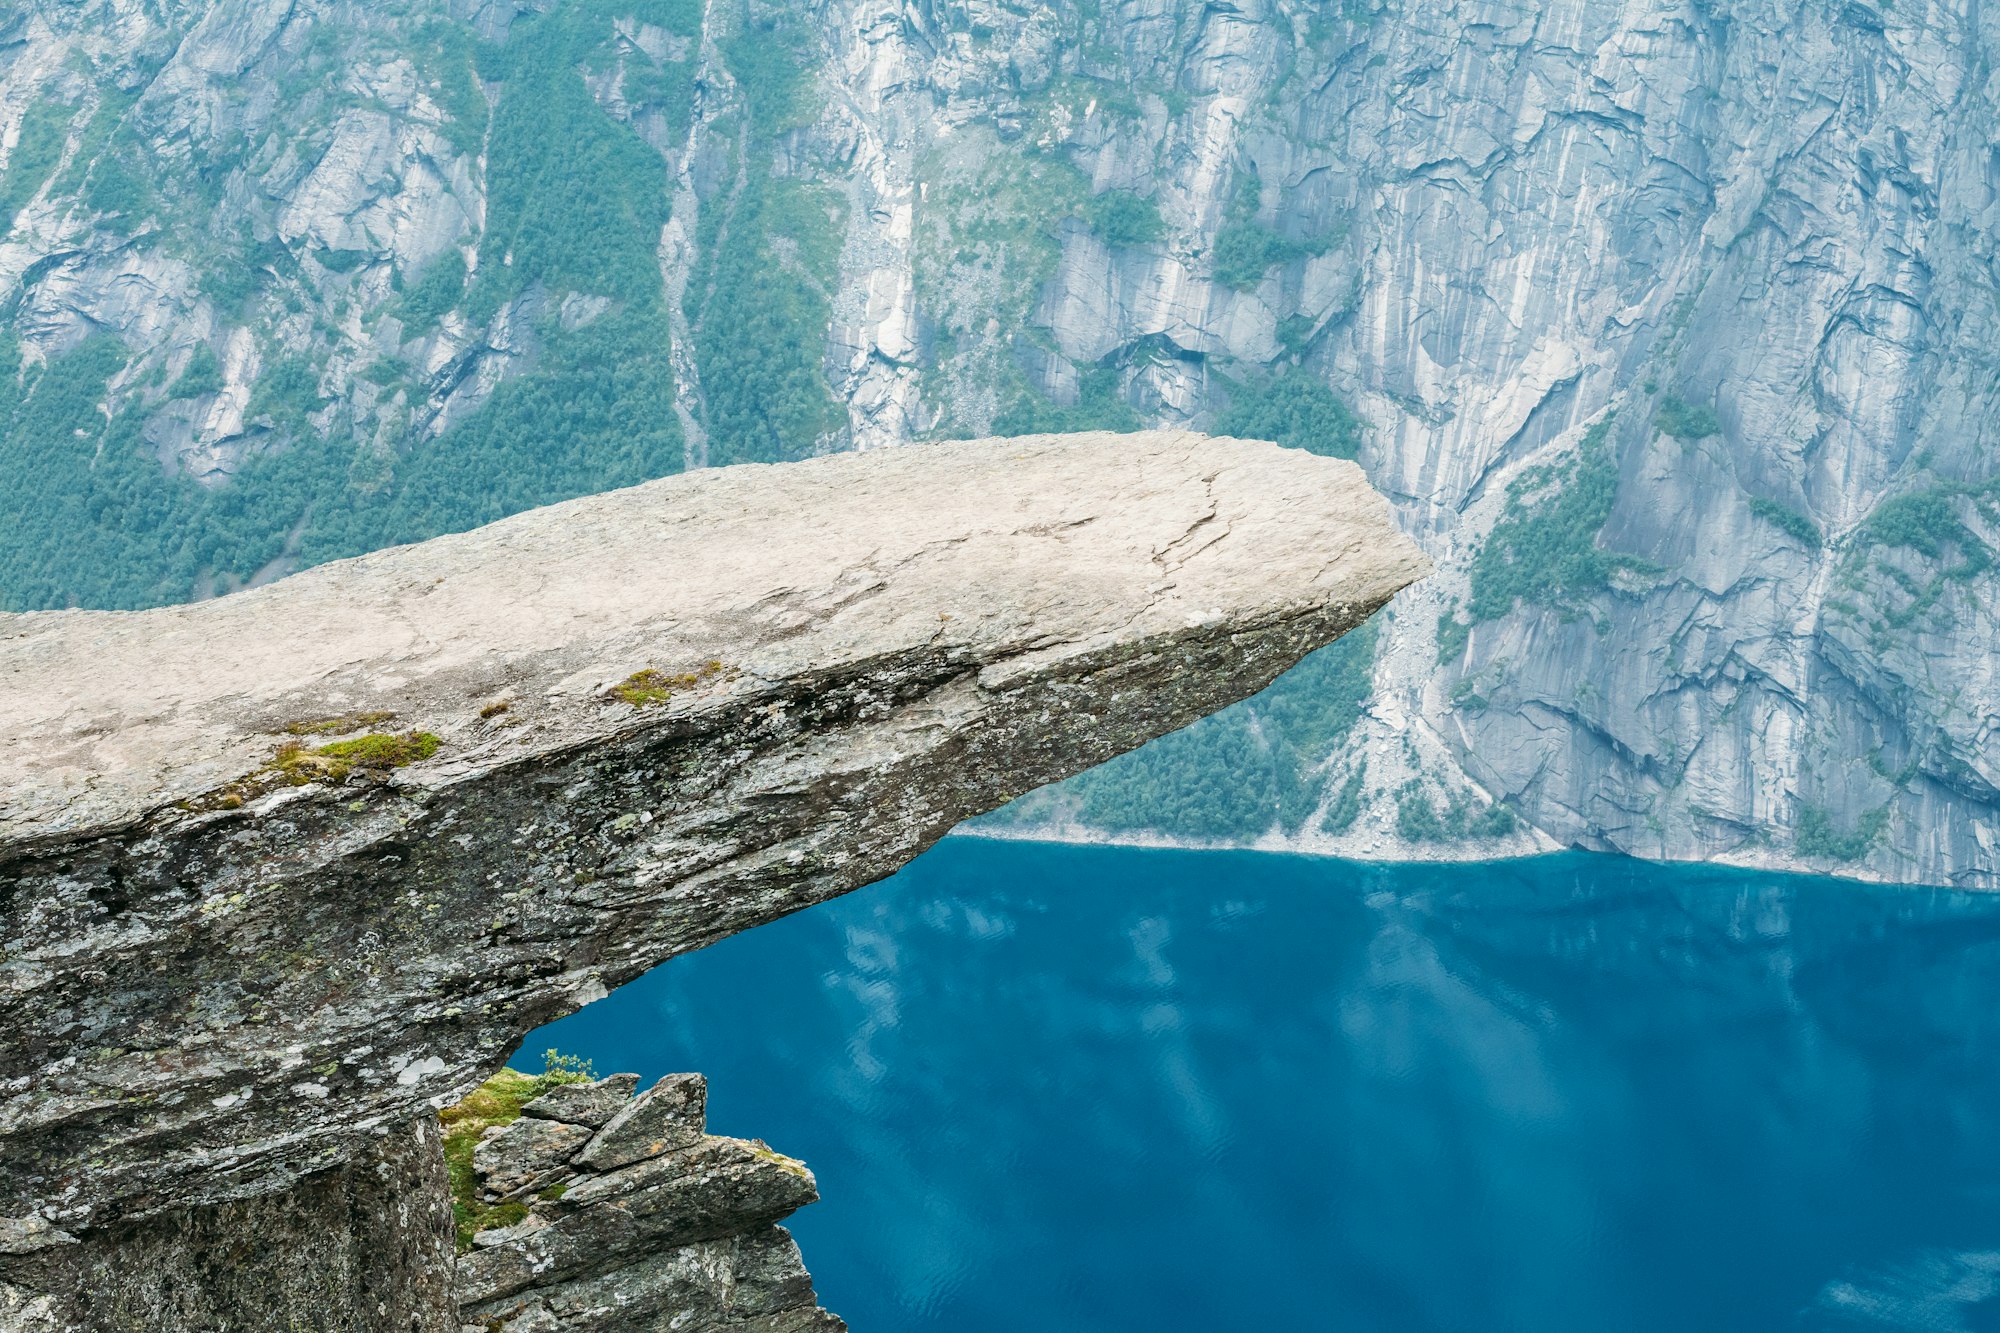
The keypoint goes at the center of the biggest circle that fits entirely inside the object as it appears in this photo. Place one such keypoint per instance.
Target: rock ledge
(287, 870)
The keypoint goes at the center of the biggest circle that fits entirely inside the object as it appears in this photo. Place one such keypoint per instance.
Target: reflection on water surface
(1070, 1089)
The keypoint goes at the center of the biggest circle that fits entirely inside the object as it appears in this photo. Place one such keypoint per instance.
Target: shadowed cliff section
(284, 871)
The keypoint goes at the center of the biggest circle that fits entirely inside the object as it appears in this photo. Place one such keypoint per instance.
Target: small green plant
(1685, 421)
(647, 687)
(558, 1068)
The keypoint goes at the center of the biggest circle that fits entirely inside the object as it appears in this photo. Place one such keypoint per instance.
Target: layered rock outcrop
(287, 870)
(642, 1221)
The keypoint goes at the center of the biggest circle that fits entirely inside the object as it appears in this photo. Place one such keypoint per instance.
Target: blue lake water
(1100, 1090)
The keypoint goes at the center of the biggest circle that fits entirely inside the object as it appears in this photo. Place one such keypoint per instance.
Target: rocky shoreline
(1395, 852)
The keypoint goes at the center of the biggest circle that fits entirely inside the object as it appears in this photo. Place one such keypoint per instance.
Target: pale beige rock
(1025, 552)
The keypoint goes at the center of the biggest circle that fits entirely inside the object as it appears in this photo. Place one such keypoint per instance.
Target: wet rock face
(290, 868)
(676, 1231)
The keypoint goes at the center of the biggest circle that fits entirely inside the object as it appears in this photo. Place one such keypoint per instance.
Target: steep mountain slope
(1670, 325)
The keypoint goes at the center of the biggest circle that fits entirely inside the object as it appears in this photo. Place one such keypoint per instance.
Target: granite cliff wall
(1751, 239)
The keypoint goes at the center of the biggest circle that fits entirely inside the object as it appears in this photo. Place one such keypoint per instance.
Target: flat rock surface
(1053, 543)
(220, 975)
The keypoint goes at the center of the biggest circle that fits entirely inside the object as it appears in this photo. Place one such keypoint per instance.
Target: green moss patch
(644, 688)
(378, 750)
(763, 1152)
(297, 764)
(497, 1101)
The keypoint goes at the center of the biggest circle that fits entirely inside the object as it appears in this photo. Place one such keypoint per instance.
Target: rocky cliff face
(1670, 324)
(640, 1219)
(283, 872)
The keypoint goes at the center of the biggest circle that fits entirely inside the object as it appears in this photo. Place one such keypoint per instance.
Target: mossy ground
(792, 1165)
(642, 688)
(297, 764)
(497, 1101)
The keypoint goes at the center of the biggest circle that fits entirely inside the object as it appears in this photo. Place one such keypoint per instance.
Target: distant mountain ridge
(1671, 327)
